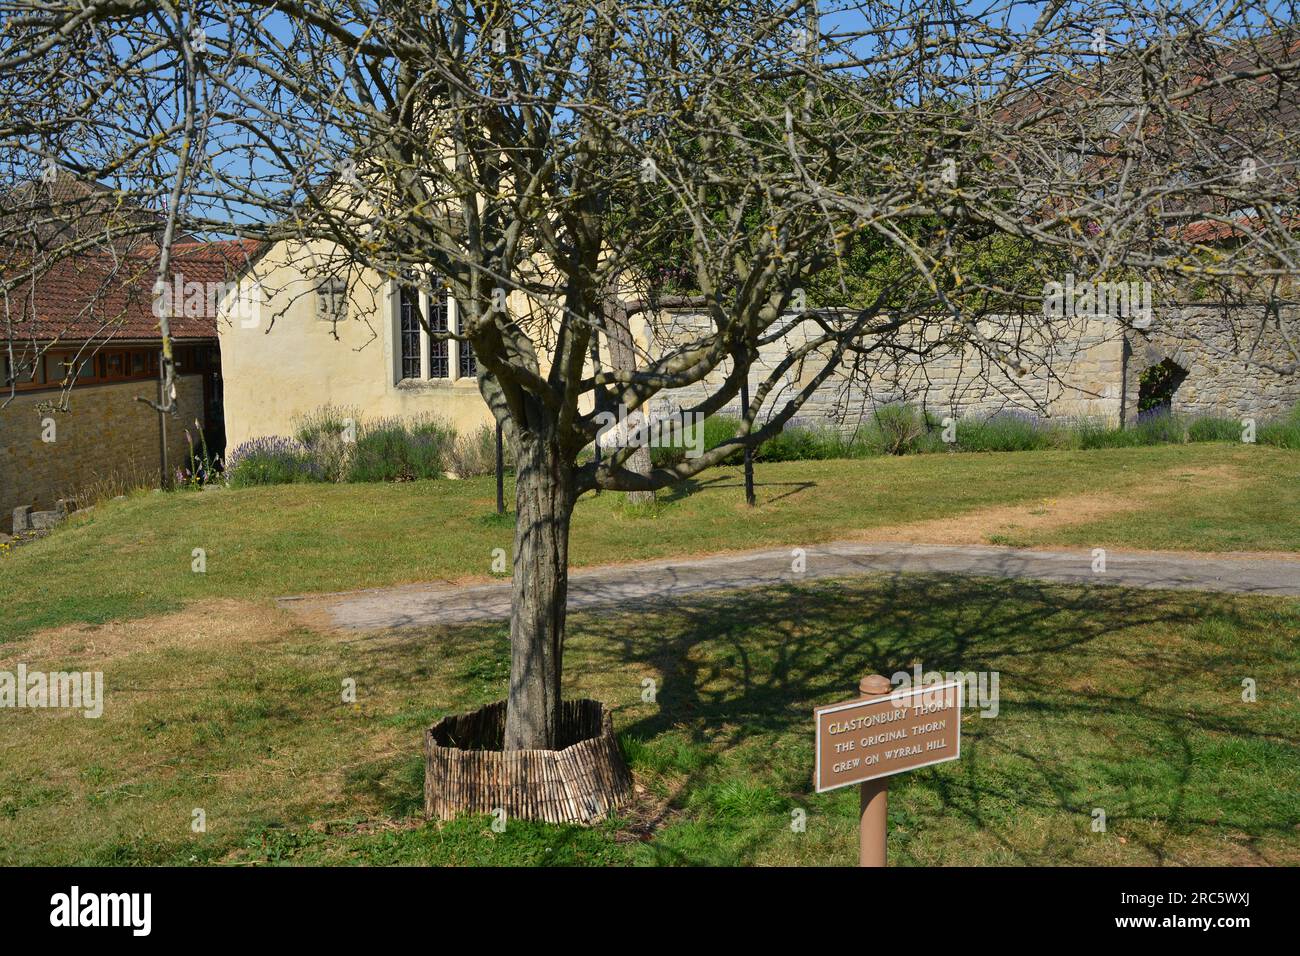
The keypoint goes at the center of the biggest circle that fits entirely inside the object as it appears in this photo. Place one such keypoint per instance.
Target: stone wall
(1211, 344)
(105, 431)
(1071, 368)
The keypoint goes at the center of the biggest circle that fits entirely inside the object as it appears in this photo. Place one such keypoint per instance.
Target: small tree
(917, 167)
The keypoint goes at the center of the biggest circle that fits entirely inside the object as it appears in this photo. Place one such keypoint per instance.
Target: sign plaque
(873, 737)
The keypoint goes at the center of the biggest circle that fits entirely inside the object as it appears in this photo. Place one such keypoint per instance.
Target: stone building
(360, 343)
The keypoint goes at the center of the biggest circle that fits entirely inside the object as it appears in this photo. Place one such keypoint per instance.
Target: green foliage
(1091, 433)
(981, 270)
(1007, 431)
(717, 429)
(816, 442)
(202, 467)
(346, 448)
(395, 450)
(328, 421)
(1160, 428)
(270, 461)
(476, 453)
(1284, 433)
(1157, 428)
(900, 430)
(1157, 385)
(1213, 428)
(329, 433)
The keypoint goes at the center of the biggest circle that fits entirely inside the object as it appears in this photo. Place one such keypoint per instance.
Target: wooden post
(749, 453)
(873, 801)
(164, 479)
(501, 474)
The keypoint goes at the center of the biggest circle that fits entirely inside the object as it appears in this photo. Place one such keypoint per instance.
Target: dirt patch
(992, 525)
(646, 814)
(215, 623)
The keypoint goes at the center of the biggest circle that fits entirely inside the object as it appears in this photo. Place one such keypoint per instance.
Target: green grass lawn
(1260, 514)
(133, 558)
(1128, 701)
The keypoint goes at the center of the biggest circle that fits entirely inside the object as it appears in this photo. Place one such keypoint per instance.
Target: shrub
(667, 456)
(328, 421)
(476, 453)
(397, 450)
(1152, 428)
(393, 450)
(795, 442)
(717, 429)
(1096, 433)
(803, 443)
(271, 461)
(894, 429)
(855, 444)
(1214, 429)
(382, 453)
(1283, 432)
(900, 430)
(1005, 431)
(1157, 427)
(329, 434)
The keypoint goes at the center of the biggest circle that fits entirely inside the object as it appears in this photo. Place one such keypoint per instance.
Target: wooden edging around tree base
(466, 771)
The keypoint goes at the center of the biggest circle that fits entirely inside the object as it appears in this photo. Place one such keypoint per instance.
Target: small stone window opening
(332, 300)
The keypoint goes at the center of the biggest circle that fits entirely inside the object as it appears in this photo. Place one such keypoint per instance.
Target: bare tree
(920, 168)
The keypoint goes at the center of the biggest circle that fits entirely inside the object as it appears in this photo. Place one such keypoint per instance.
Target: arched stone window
(1157, 385)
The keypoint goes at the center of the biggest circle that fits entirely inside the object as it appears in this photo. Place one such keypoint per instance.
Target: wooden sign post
(866, 741)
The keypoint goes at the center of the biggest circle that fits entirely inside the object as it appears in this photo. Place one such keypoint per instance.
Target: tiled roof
(101, 296)
(69, 212)
(1240, 227)
(1246, 113)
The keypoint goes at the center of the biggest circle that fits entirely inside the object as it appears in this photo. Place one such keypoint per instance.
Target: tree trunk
(640, 464)
(544, 504)
(622, 355)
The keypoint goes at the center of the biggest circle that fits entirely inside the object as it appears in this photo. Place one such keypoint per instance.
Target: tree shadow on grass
(1084, 680)
(1110, 698)
(725, 483)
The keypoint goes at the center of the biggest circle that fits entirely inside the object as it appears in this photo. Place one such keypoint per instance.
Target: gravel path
(422, 605)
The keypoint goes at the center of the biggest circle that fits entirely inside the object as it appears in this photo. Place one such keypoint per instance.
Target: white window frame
(453, 376)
